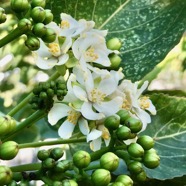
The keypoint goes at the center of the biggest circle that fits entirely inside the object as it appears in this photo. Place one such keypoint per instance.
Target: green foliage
(168, 130)
(147, 29)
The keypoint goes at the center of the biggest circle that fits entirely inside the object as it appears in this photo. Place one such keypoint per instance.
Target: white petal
(96, 144)
(152, 108)
(57, 112)
(80, 93)
(83, 126)
(142, 88)
(62, 59)
(94, 134)
(46, 64)
(109, 107)
(107, 141)
(66, 45)
(88, 113)
(66, 129)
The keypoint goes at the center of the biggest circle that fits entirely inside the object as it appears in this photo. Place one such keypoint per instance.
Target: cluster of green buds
(7, 125)
(139, 152)
(2, 15)
(5, 175)
(35, 17)
(45, 92)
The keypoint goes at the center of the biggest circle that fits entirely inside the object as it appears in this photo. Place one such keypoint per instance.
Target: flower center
(54, 49)
(90, 54)
(96, 96)
(105, 134)
(144, 102)
(126, 105)
(73, 116)
(65, 24)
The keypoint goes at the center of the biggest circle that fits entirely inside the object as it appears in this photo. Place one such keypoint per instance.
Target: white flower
(93, 91)
(91, 47)
(135, 102)
(60, 110)
(72, 28)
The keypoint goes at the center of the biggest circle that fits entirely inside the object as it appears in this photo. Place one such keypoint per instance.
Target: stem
(26, 123)
(11, 36)
(26, 167)
(97, 154)
(55, 142)
(26, 100)
(92, 167)
(47, 180)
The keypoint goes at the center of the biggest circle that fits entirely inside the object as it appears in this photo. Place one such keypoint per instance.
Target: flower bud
(49, 36)
(5, 175)
(69, 183)
(48, 163)
(8, 150)
(146, 142)
(116, 184)
(4, 125)
(43, 95)
(19, 5)
(123, 133)
(109, 161)
(39, 29)
(38, 14)
(2, 15)
(151, 160)
(114, 44)
(81, 159)
(135, 167)
(56, 153)
(101, 177)
(124, 115)
(142, 176)
(43, 154)
(40, 3)
(62, 166)
(13, 183)
(135, 150)
(126, 180)
(112, 122)
(134, 124)
(115, 61)
(25, 25)
(48, 17)
(32, 43)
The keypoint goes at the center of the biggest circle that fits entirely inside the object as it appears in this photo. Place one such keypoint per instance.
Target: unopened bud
(32, 43)
(126, 180)
(146, 142)
(124, 115)
(115, 61)
(19, 5)
(151, 160)
(5, 175)
(112, 122)
(2, 15)
(49, 36)
(114, 44)
(69, 183)
(39, 29)
(135, 150)
(48, 17)
(135, 167)
(40, 3)
(38, 14)
(25, 25)
(134, 124)
(123, 133)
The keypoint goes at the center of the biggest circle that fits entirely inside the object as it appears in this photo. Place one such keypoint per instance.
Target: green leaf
(168, 128)
(148, 29)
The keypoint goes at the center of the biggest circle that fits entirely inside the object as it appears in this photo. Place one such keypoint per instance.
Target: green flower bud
(19, 5)
(146, 142)
(81, 159)
(141, 176)
(13, 183)
(135, 167)
(109, 161)
(8, 150)
(117, 184)
(38, 14)
(101, 177)
(57, 183)
(112, 122)
(39, 29)
(32, 43)
(48, 163)
(5, 175)
(43, 154)
(40, 3)
(2, 15)
(151, 151)
(124, 115)
(50, 92)
(115, 61)
(134, 124)
(123, 133)
(114, 44)
(126, 180)
(48, 17)
(151, 160)
(62, 166)
(49, 36)
(43, 95)
(135, 150)
(4, 125)
(69, 183)
(25, 25)
(56, 153)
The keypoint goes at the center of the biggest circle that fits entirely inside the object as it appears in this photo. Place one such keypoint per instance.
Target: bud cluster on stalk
(45, 92)
(2, 15)
(34, 17)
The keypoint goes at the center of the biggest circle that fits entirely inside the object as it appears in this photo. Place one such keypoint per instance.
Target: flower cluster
(93, 93)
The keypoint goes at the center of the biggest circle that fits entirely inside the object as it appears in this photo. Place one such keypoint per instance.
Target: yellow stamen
(54, 49)
(73, 116)
(91, 55)
(96, 96)
(126, 105)
(65, 24)
(144, 102)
